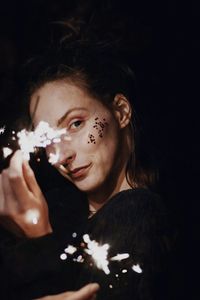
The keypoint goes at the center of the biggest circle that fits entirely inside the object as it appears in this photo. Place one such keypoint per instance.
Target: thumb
(30, 179)
(85, 293)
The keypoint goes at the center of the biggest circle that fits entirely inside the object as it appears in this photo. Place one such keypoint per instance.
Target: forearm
(33, 266)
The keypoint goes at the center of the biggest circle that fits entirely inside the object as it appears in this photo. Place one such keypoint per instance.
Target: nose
(64, 153)
(70, 158)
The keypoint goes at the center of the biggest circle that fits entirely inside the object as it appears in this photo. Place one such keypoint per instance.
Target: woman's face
(91, 156)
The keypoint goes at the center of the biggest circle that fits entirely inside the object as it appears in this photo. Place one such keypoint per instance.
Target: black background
(154, 37)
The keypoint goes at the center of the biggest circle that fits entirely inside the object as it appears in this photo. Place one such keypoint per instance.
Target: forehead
(50, 102)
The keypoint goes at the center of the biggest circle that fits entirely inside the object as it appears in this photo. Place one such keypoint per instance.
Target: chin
(87, 185)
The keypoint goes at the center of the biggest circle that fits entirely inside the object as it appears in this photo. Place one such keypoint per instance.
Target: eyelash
(76, 127)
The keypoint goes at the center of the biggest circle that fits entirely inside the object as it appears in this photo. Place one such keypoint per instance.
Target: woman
(87, 90)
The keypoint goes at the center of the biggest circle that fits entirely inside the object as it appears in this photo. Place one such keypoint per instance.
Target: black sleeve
(134, 222)
(32, 268)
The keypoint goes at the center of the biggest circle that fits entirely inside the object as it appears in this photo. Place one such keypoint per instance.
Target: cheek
(97, 130)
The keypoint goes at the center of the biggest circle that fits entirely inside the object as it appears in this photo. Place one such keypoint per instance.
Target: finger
(16, 179)
(10, 203)
(62, 296)
(85, 293)
(16, 163)
(10, 207)
(30, 179)
(2, 198)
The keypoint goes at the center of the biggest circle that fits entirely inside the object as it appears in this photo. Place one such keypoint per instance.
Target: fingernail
(94, 286)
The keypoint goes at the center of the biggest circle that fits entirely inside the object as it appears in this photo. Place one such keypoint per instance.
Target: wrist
(39, 231)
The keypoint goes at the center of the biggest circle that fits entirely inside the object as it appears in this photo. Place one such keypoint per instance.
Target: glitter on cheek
(92, 139)
(99, 126)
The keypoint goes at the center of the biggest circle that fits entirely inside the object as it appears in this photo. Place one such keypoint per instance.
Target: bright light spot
(80, 259)
(70, 249)
(110, 286)
(53, 157)
(120, 257)
(32, 216)
(86, 238)
(63, 256)
(137, 268)
(42, 136)
(7, 151)
(74, 234)
(35, 220)
(98, 253)
(116, 275)
(56, 140)
(124, 271)
(2, 129)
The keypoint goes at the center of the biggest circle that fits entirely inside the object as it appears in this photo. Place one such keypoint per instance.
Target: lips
(79, 172)
(75, 173)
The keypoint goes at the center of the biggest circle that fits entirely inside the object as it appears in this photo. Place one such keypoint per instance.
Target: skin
(99, 144)
(100, 151)
(85, 124)
(19, 194)
(88, 292)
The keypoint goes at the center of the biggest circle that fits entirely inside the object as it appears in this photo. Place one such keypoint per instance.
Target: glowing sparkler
(2, 129)
(124, 271)
(32, 216)
(98, 253)
(54, 157)
(120, 257)
(7, 151)
(70, 249)
(137, 268)
(63, 256)
(42, 136)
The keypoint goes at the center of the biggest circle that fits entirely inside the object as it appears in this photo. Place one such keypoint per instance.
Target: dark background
(153, 36)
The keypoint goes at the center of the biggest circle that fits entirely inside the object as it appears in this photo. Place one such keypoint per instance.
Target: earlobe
(122, 110)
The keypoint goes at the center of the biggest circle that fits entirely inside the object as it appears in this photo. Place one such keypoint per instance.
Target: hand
(88, 292)
(23, 208)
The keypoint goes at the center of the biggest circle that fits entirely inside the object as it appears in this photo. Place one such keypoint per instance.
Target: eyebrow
(67, 113)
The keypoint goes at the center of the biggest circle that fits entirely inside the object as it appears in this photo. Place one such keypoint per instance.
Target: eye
(76, 124)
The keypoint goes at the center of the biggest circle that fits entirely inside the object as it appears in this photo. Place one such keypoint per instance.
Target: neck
(106, 191)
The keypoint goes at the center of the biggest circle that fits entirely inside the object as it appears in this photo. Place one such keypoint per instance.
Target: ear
(122, 110)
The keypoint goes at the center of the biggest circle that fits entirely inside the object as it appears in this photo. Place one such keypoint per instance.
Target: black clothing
(133, 221)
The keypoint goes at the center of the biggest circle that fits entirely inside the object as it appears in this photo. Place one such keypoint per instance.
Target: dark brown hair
(103, 73)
